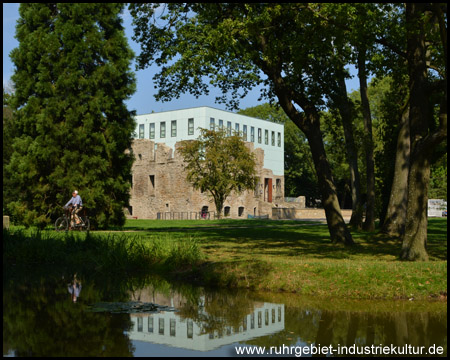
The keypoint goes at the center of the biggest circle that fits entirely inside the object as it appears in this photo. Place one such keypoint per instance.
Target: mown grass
(147, 225)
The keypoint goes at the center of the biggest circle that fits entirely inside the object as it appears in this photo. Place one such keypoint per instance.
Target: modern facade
(169, 127)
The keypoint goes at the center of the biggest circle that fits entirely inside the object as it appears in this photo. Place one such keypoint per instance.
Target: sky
(143, 101)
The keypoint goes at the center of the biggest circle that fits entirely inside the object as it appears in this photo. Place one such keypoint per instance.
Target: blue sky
(143, 100)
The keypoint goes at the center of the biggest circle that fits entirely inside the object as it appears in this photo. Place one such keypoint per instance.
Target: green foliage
(9, 132)
(438, 179)
(72, 78)
(219, 164)
(229, 45)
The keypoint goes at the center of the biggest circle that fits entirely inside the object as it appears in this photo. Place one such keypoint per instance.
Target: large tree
(9, 133)
(426, 49)
(238, 46)
(72, 77)
(219, 164)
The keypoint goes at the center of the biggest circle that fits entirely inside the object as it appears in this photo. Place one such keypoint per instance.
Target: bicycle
(63, 223)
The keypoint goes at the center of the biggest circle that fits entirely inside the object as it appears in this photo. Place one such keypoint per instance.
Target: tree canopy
(219, 164)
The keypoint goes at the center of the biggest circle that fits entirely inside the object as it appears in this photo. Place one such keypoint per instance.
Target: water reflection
(208, 320)
(41, 319)
(74, 288)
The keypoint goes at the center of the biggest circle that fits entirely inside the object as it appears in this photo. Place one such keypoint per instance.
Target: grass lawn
(298, 257)
(142, 224)
(266, 255)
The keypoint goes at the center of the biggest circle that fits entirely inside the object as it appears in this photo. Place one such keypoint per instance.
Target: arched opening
(240, 211)
(226, 211)
(204, 212)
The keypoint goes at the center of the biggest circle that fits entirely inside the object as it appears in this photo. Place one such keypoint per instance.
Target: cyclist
(77, 205)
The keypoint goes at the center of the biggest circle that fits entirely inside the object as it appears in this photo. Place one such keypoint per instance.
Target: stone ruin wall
(159, 185)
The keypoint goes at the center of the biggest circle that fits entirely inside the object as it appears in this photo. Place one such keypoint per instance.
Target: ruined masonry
(160, 187)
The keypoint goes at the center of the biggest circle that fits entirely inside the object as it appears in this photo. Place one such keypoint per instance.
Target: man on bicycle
(77, 205)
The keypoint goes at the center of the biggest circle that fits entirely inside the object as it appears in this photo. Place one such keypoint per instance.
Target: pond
(69, 314)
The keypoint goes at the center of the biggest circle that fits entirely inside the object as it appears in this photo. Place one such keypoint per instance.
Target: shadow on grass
(313, 241)
(173, 225)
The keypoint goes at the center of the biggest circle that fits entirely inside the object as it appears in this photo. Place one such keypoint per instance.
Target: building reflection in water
(173, 329)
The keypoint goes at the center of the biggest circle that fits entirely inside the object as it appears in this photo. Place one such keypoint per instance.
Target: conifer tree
(72, 76)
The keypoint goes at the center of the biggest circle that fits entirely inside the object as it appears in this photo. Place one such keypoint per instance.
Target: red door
(269, 189)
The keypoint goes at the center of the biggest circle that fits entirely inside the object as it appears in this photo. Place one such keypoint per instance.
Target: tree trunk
(415, 237)
(352, 155)
(394, 222)
(309, 123)
(336, 224)
(369, 224)
(218, 202)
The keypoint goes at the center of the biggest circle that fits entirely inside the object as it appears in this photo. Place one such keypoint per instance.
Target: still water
(78, 315)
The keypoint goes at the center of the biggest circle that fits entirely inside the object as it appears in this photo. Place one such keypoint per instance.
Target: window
(140, 324)
(266, 137)
(152, 131)
(226, 211)
(236, 127)
(191, 126)
(141, 131)
(220, 124)
(240, 211)
(244, 131)
(279, 139)
(256, 191)
(273, 138)
(162, 130)
(190, 329)
(228, 128)
(172, 327)
(150, 324)
(161, 326)
(252, 134)
(173, 128)
(259, 136)
(212, 124)
(151, 185)
(278, 182)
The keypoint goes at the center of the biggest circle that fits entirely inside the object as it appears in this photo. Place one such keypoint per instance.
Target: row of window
(190, 324)
(212, 126)
(162, 129)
